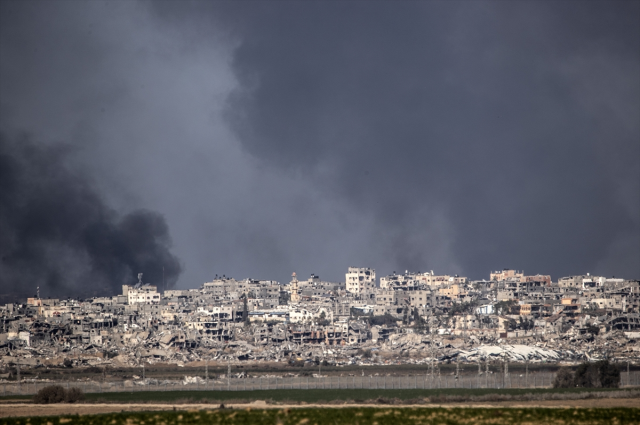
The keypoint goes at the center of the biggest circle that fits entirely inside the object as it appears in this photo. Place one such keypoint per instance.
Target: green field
(616, 416)
(313, 396)
(320, 395)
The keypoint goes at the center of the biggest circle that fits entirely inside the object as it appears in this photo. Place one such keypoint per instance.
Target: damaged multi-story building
(407, 317)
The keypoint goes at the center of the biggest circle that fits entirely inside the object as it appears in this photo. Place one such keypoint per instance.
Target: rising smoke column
(56, 231)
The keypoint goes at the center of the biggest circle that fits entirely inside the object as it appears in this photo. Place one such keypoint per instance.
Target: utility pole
(465, 327)
(486, 373)
(432, 350)
(206, 369)
(228, 374)
(505, 376)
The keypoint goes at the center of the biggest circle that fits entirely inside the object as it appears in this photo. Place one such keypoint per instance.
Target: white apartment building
(434, 280)
(220, 312)
(583, 281)
(145, 294)
(300, 315)
(360, 279)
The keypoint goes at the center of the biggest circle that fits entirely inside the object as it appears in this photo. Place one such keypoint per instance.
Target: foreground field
(350, 415)
(16, 410)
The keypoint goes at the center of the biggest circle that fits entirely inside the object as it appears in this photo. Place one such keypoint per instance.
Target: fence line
(491, 380)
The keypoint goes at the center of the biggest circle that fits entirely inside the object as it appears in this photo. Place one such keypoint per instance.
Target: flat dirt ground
(26, 409)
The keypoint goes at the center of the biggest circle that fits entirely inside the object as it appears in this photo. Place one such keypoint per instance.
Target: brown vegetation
(58, 394)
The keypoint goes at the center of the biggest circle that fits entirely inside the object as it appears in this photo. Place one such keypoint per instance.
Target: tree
(526, 324)
(509, 325)
(245, 312)
(586, 376)
(609, 374)
(466, 307)
(285, 297)
(504, 307)
(323, 319)
(564, 378)
(58, 394)
(386, 319)
(601, 374)
(418, 320)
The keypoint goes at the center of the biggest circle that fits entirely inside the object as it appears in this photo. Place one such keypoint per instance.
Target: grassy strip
(358, 395)
(314, 396)
(351, 416)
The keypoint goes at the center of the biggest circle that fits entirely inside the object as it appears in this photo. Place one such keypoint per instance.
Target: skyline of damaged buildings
(401, 318)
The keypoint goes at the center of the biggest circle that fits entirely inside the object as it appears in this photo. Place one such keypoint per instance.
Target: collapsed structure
(419, 318)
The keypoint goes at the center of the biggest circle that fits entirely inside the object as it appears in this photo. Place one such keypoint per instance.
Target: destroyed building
(405, 318)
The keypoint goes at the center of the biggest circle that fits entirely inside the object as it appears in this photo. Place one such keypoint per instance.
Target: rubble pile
(408, 319)
(515, 353)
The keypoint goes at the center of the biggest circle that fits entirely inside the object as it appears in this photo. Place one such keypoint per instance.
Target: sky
(255, 139)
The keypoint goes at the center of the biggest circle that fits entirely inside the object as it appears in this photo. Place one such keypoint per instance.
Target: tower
(295, 290)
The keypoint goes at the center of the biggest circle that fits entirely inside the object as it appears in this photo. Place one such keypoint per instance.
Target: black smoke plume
(57, 233)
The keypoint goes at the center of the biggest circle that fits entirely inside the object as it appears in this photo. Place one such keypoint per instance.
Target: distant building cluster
(403, 317)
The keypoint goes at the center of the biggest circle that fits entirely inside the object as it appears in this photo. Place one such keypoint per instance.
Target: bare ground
(27, 409)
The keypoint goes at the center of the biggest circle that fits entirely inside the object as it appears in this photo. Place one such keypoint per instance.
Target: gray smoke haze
(310, 136)
(57, 233)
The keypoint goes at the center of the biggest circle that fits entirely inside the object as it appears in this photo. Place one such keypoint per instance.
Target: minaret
(295, 291)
